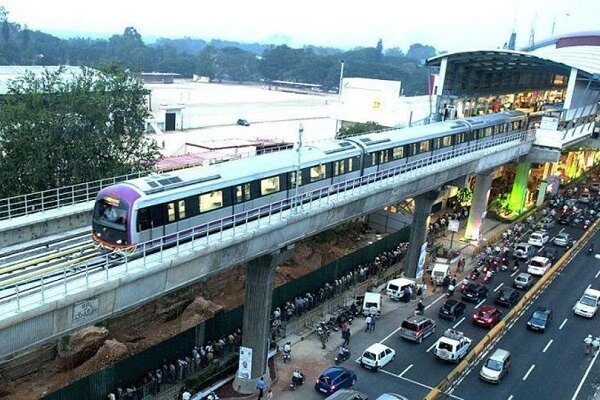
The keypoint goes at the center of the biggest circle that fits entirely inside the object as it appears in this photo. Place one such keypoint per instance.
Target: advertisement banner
(245, 367)
(421, 260)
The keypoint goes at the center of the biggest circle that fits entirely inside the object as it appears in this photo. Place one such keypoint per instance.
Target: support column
(519, 189)
(255, 331)
(481, 193)
(418, 230)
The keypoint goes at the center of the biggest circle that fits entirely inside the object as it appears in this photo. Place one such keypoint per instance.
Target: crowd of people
(177, 370)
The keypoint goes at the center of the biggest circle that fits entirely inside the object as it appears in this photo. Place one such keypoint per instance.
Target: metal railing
(18, 206)
(42, 289)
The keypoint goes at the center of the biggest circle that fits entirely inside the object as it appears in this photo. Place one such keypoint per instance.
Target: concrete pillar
(257, 309)
(418, 230)
(481, 193)
(519, 189)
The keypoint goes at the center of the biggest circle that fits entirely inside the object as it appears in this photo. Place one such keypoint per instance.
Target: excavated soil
(93, 348)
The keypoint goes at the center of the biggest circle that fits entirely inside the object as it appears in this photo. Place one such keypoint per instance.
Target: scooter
(297, 380)
(211, 396)
(287, 352)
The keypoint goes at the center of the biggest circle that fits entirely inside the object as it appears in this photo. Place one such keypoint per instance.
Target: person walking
(372, 329)
(368, 323)
(270, 395)
(346, 337)
(587, 344)
(261, 386)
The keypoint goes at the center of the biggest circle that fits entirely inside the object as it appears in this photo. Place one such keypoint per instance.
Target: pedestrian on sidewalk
(346, 337)
(270, 395)
(587, 343)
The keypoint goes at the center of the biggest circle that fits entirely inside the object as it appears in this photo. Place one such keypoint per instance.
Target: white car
(539, 238)
(377, 356)
(563, 239)
(539, 265)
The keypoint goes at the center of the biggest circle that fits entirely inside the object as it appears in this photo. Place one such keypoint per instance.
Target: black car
(550, 254)
(474, 292)
(565, 219)
(243, 122)
(452, 309)
(540, 319)
(507, 296)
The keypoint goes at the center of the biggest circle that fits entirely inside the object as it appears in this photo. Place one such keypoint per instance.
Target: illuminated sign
(111, 201)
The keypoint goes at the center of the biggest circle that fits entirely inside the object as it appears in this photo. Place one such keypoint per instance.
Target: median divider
(496, 332)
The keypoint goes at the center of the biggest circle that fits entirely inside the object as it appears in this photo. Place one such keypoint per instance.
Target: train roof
(238, 171)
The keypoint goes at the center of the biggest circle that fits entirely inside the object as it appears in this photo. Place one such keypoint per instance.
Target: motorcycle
(297, 380)
(488, 278)
(343, 355)
(591, 250)
(474, 275)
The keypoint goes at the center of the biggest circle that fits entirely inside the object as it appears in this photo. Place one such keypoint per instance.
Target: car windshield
(325, 379)
(588, 301)
(494, 365)
(521, 279)
(535, 263)
(444, 346)
(111, 210)
(539, 316)
(409, 325)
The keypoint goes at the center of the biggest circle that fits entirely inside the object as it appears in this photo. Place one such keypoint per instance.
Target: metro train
(160, 205)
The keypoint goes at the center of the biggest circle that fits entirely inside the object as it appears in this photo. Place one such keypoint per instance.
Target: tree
(58, 130)
(420, 52)
(358, 128)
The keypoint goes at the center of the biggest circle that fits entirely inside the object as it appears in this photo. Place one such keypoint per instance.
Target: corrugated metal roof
(584, 58)
(11, 72)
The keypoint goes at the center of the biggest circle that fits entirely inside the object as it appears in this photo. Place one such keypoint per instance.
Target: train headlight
(119, 241)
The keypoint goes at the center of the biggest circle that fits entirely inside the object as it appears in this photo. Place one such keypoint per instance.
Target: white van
(395, 288)
(439, 272)
(372, 304)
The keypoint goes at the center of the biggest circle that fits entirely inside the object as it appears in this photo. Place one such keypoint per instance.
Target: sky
(446, 25)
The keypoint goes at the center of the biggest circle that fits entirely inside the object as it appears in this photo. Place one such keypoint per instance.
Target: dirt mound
(110, 352)
(199, 310)
(82, 345)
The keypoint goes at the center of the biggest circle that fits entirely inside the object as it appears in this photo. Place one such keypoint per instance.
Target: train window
(353, 166)
(242, 193)
(293, 179)
(412, 149)
(460, 138)
(383, 157)
(269, 185)
(447, 141)
(211, 201)
(501, 128)
(317, 173)
(424, 146)
(181, 209)
(397, 152)
(339, 167)
(171, 212)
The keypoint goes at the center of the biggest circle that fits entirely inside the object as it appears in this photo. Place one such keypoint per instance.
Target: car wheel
(375, 368)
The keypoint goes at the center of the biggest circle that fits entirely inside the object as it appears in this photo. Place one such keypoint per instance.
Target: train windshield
(111, 210)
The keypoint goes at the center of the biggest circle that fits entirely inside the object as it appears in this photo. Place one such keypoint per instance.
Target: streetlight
(337, 121)
(298, 152)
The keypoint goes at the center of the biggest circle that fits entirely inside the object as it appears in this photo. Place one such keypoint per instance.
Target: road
(549, 365)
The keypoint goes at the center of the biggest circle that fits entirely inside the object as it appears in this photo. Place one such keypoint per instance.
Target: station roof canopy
(485, 72)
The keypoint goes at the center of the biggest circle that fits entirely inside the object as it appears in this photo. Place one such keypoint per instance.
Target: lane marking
(548, 345)
(405, 370)
(528, 372)
(563, 324)
(587, 371)
(435, 301)
(499, 286)
(428, 387)
(460, 321)
(540, 250)
(510, 397)
(589, 286)
(389, 336)
(514, 273)
(389, 373)
(597, 273)
(431, 347)
(479, 304)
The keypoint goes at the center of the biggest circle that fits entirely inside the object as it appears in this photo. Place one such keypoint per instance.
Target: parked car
(452, 309)
(243, 122)
(596, 186)
(524, 251)
(523, 281)
(538, 265)
(334, 378)
(391, 396)
(539, 238)
(585, 197)
(417, 328)
(474, 292)
(507, 296)
(563, 239)
(347, 394)
(496, 366)
(377, 356)
(487, 316)
(565, 218)
(546, 223)
(540, 319)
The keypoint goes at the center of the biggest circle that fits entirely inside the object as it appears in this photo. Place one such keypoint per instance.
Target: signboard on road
(453, 225)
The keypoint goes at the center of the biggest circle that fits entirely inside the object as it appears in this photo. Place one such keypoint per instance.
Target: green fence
(130, 370)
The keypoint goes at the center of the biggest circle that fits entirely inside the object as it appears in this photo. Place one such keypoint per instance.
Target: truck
(452, 346)
(587, 305)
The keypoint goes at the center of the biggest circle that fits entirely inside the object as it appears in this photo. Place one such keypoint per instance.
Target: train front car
(112, 217)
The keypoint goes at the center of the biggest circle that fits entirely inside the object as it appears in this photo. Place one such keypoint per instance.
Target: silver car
(563, 239)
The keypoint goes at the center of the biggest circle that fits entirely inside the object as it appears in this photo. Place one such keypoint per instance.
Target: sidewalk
(311, 359)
